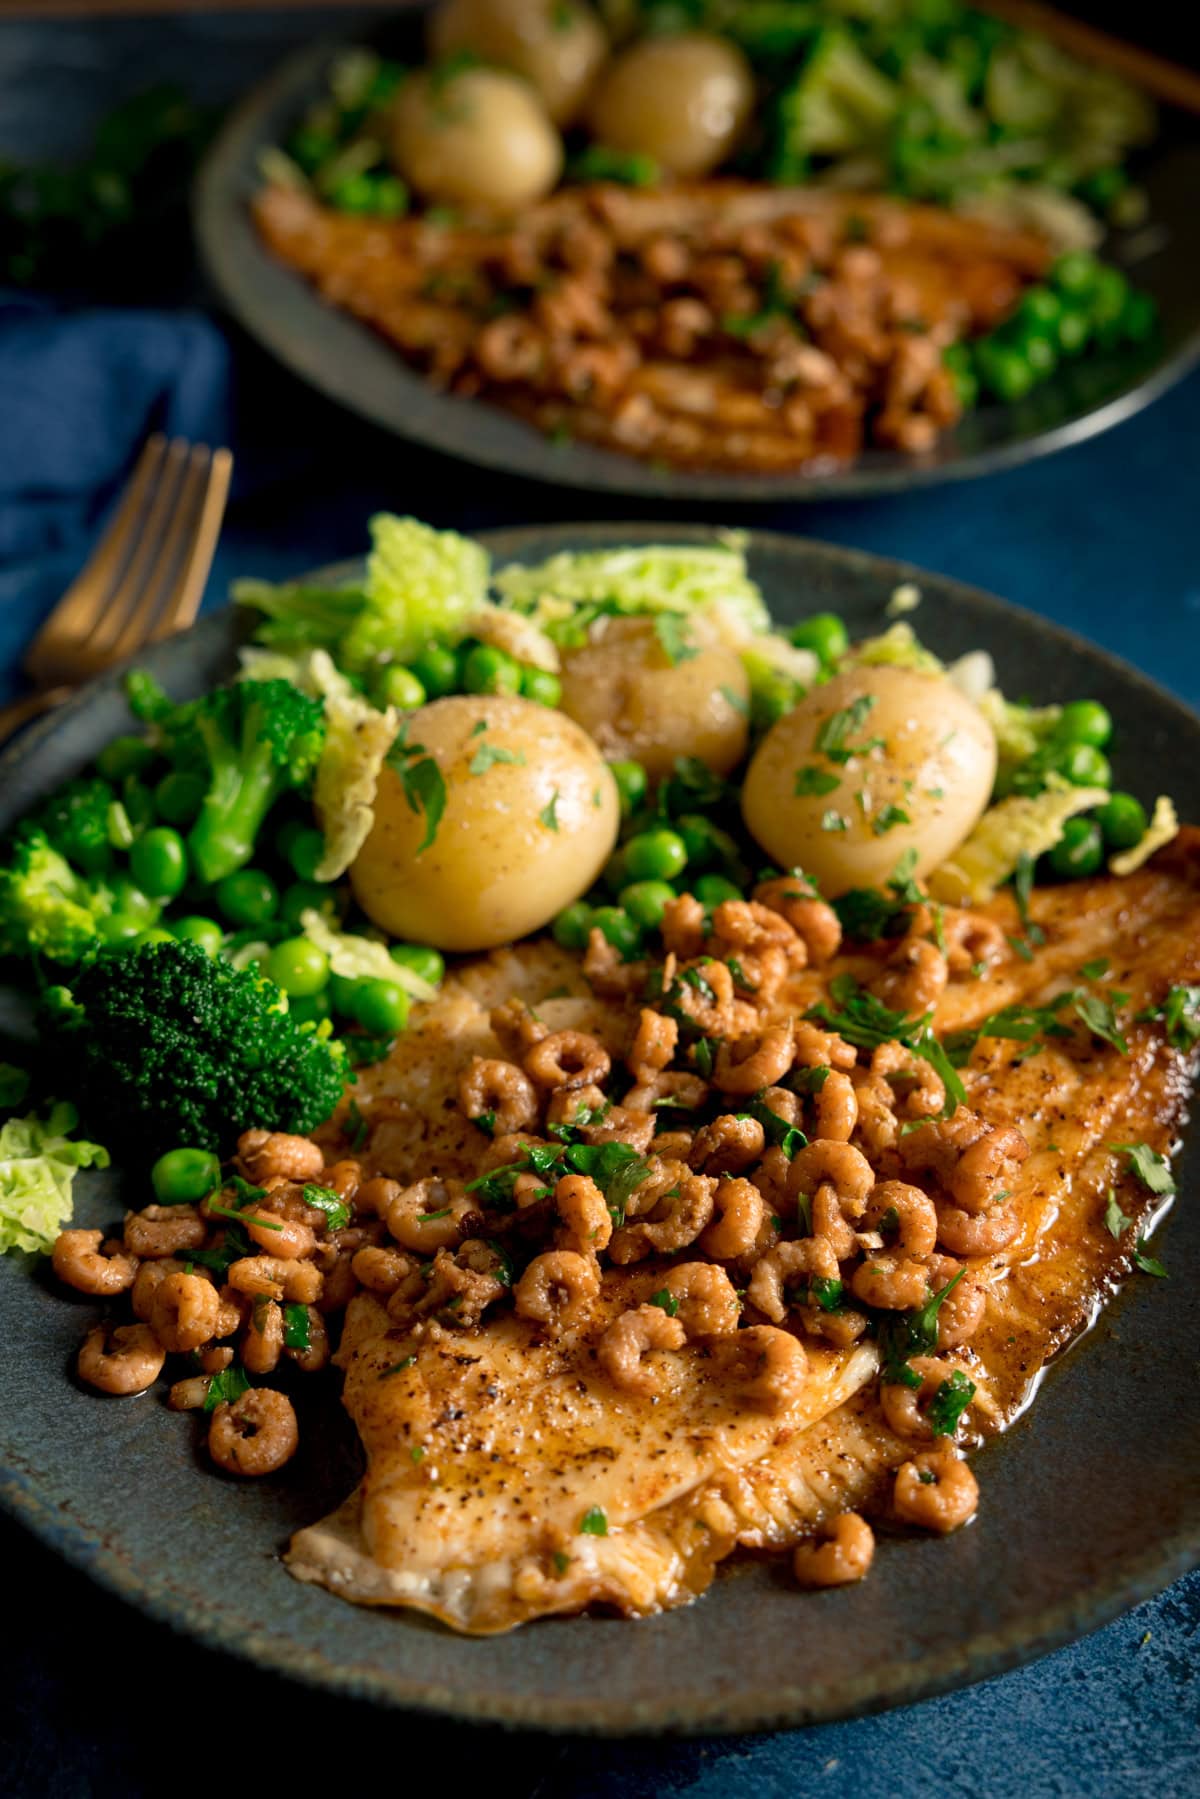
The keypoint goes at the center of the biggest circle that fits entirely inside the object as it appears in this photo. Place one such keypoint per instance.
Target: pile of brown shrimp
(722, 1203)
(719, 325)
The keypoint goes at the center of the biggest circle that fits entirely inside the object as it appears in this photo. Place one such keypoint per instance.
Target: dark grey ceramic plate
(1090, 1504)
(349, 363)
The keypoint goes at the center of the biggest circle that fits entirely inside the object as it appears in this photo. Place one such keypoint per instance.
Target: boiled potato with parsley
(530, 818)
(557, 45)
(656, 689)
(877, 762)
(682, 99)
(480, 137)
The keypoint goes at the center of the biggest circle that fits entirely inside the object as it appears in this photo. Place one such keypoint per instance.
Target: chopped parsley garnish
(489, 754)
(363, 1050)
(1147, 1263)
(1100, 1019)
(1095, 971)
(814, 781)
(735, 700)
(433, 1217)
(356, 1126)
(616, 1169)
(740, 976)
(1021, 948)
(233, 1249)
(949, 1403)
(776, 1129)
(675, 638)
(1151, 1169)
(416, 1453)
(562, 1561)
(397, 1367)
(704, 1056)
(297, 1327)
(862, 1019)
(1115, 1220)
(548, 815)
(888, 818)
(226, 1386)
(808, 1080)
(1180, 1014)
(594, 1522)
(268, 1224)
(422, 782)
(906, 1334)
(486, 1122)
(667, 1300)
(827, 1292)
(833, 821)
(831, 738)
(337, 1212)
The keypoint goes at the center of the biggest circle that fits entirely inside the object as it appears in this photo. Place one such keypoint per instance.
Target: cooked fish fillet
(487, 1450)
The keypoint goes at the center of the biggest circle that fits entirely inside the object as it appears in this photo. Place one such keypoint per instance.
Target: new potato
(519, 839)
(478, 138)
(932, 758)
(623, 688)
(557, 45)
(682, 99)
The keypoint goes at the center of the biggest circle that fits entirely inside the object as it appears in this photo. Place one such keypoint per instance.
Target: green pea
(540, 685)
(655, 856)
(204, 931)
(133, 902)
(156, 934)
(183, 1177)
(699, 839)
(436, 668)
(355, 194)
(342, 989)
(1108, 297)
(313, 1009)
(125, 756)
(620, 930)
(1122, 819)
(248, 897)
(1040, 309)
(310, 148)
(1075, 273)
(1041, 355)
(158, 862)
(771, 701)
(1085, 721)
(1074, 330)
(428, 964)
(824, 633)
(177, 798)
(570, 929)
(632, 784)
(1083, 765)
(489, 670)
(306, 852)
(307, 896)
(1079, 851)
(298, 966)
(398, 686)
(1002, 368)
(138, 802)
(712, 890)
(380, 1006)
(1101, 188)
(646, 901)
(120, 928)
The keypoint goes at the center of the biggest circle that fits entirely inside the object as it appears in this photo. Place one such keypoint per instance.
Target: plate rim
(222, 233)
(979, 1656)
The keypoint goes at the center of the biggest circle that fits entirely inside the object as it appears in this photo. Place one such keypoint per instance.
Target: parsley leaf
(812, 780)
(297, 1327)
(489, 754)
(827, 1292)
(1151, 1169)
(617, 1170)
(776, 1129)
(735, 700)
(1100, 1019)
(226, 1386)
(396, 1367)
(905, 1334)
(674, 636)
(887, 819)
(949, 1403)
(667, 1300)
(1147, 1263)
(1094, 971)
(594, 1522)
(422, 781)
(831, 738)
(337, 1212)
(1180, 1013)
(833, 821)
(364, 1050)
(1115, 1220)
(548, 815)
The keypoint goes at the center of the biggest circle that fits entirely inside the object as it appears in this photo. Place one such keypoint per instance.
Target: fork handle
(21, 712)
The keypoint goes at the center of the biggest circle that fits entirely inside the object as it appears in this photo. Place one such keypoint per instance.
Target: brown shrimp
(911, 1079)
(815, 922)
(904, 1408)
(841, 1554)
(683, 926)
(556, 1287)
(913, 978)
(285, 1239)
(835, 1108)
(727, 1145)
(381, 1270)
(89, 1264)
(971, 940)
(838, 1165)
(313, 1355)
(740, 1213)
(163, 1231)
(915, 1219)
(706, 1303)
(264, 1155)
(492, 1086)
(254, 1435)
(431, 1214)
(686, 1091)
(976, 1233)
(587, 1223)
(124, 1361)
(786, 1265)
(184, 1312)
(890, 1283)
(936, 1490)
(764, 1064)
(629, 1339)
(676, 1219)
(776, 1365)
(654, 1044)
(961, 1312)
(262, 1340)
(568, 1059)
(817, 1048)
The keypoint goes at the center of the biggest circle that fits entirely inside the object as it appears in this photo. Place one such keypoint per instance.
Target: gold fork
(143, 581)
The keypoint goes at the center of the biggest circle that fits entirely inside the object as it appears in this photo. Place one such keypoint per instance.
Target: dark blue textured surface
(1102, 539)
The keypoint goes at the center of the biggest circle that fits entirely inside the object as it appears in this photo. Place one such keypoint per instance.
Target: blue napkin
(80, 391)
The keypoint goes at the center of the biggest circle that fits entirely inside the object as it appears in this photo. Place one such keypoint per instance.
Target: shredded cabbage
(38, 1164)
(1020, 730)
(571, 586)
(772, 657)
(1012, 827)
(897, 647)
(361, 958)
(1162, 828)
(421, 584)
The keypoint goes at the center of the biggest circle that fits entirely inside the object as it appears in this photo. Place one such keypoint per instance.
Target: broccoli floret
(838, 103)
(252, 741)
(166, 1045)
(78, 820)
(47, 908)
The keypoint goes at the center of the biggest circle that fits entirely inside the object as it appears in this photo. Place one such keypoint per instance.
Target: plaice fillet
(519, 1438)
